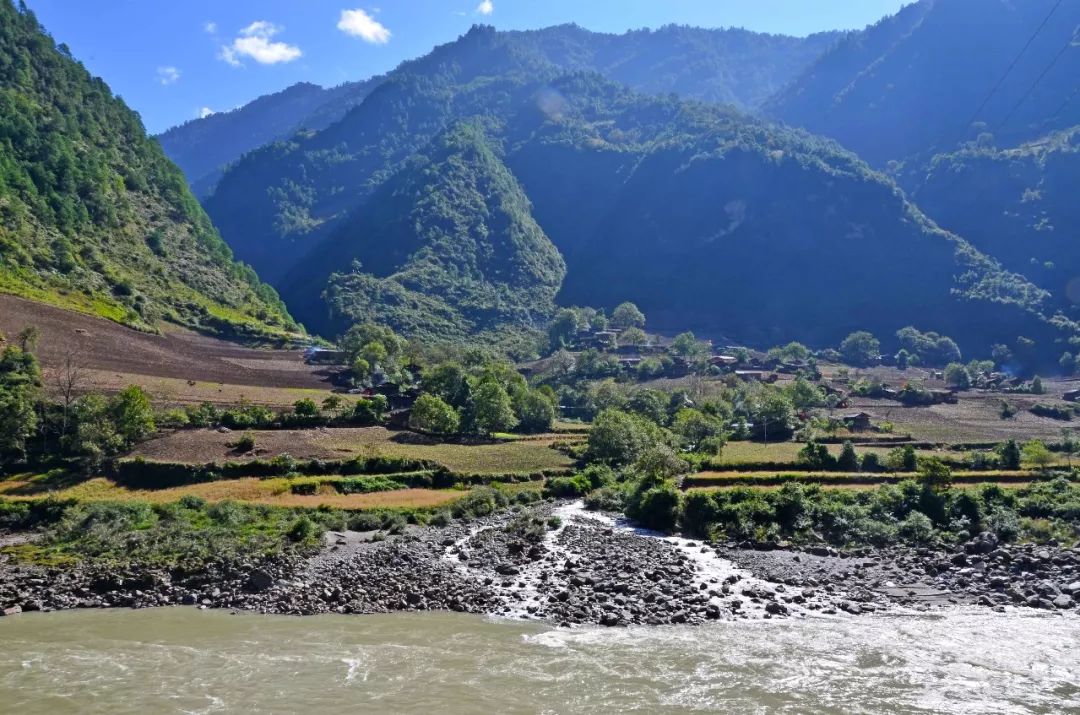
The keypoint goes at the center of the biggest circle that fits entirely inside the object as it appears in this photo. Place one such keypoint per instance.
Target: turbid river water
(187, 661)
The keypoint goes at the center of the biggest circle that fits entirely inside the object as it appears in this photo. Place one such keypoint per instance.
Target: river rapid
(184, 660)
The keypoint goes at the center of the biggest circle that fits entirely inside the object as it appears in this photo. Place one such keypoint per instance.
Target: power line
(1065, 103)
(1008, 71)
(1066, 46)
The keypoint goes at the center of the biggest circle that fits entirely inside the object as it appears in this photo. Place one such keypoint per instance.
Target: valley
(624, 336)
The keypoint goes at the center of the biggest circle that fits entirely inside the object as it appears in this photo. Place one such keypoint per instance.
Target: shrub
(871, 462)
(303, 531)
(657, 508)
(440, 519)
(364, 521)
(848, 461)
(815, 456)
(190, 501)
(699, 511)
(1054, 412)
(245, 444)
(567, 487)
(917, 528)
(478, 502)
(606, 499)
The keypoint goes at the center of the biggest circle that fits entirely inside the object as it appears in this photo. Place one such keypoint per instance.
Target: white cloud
(167, 75)
(205, 112)
(486, 7)
(360, 24)
(210, 28)
(255, 42)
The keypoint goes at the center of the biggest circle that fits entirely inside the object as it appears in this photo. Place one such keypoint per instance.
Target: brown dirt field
(975, 418)
(101, 345)
(205, 446)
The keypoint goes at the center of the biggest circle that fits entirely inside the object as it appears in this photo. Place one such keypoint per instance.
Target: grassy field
(272, 492)
(206, 446)
(764, 478)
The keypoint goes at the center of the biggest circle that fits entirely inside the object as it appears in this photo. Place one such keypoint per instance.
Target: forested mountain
(92, 214)
(448, 250)
(202, 148)
(1017, 204)
(706, 218)
(938, 73)
(726, 66)
(730, 66)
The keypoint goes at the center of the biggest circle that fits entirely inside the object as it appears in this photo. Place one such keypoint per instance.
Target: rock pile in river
(577, 569)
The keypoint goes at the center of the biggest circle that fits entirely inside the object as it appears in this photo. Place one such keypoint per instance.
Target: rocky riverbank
(561, 564)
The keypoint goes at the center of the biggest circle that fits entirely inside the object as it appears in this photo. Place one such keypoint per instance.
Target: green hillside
(93, 216)
(706, 218)
(1017, 204)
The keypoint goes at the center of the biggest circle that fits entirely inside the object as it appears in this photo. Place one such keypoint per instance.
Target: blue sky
(172, 61)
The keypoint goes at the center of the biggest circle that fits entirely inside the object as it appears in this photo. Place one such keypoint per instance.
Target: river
(182, 660)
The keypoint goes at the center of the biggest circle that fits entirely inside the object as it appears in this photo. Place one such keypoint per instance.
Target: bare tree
(68, 380)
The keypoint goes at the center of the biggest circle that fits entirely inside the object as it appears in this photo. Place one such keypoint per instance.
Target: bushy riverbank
(548, 560)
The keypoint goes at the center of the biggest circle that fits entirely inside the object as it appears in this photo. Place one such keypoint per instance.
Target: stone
(11, 611)
(260, 580)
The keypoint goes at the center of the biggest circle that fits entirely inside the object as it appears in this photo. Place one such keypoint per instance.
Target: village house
(857, 422)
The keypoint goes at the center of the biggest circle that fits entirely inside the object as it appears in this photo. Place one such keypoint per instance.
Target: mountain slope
(1018, 204)
(706, 218)
(728, 66)
(445, 249)
(911, 83)
(203, 147)
(92, 214)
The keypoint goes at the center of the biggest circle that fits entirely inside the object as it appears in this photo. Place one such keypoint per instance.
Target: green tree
(934, 474)
(370, 410)
(1010, 455)
(494, 411)
(794, 352)
(563, 328)
(815, 456)
(860, 348)
(956, 375)
(536, 412)
(902, 459)
(627, 315)
(450, 382)
(686, 345)
(902, 359)
(95, 436)
(1036, 454)
(432, 414)
(848, 461)
(698, 431)
(306, 407)
(20, 392)
(617, 437)
(633, 336)
(805, 395)
(132, 414)
(773, 414)
(1037, 386)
